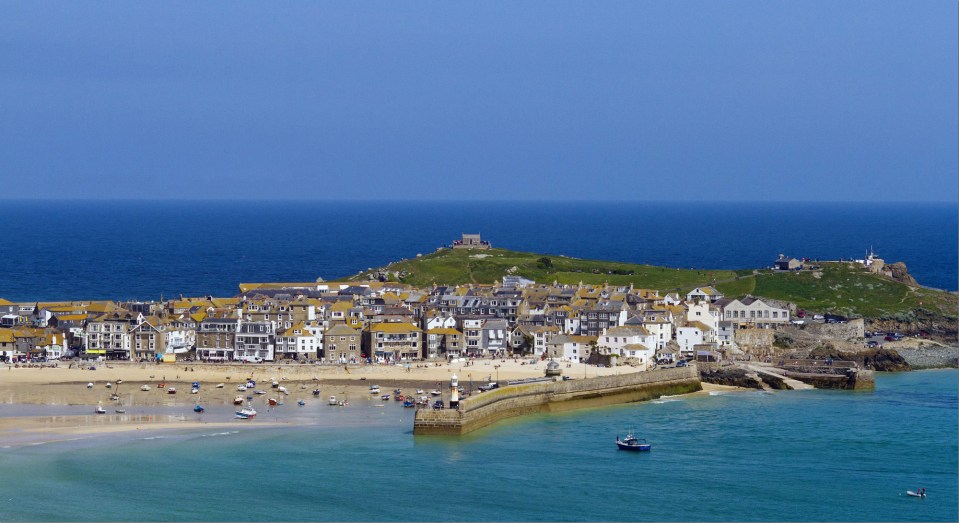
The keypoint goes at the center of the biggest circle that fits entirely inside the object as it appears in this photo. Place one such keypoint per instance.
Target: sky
(635, 100)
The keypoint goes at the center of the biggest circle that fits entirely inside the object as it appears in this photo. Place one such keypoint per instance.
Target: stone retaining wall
(515, 400)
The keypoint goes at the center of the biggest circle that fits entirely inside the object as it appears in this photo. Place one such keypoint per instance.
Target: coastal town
(386, 322)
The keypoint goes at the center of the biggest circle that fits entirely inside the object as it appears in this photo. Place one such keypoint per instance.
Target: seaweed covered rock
(875, 359)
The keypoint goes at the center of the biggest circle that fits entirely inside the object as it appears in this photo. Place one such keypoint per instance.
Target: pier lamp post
(470, 376)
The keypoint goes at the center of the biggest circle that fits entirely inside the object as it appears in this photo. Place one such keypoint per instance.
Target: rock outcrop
(874, 359)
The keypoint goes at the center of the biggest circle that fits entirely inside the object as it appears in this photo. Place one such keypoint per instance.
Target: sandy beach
(156, 409)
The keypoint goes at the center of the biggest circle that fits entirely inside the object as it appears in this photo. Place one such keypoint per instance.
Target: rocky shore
(930, 356)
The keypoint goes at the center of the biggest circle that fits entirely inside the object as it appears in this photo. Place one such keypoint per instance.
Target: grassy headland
(839, 288)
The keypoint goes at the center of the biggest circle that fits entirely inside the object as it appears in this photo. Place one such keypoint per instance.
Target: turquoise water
(809, 455)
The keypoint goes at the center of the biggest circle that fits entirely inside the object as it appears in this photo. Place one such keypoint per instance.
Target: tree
(544, 263)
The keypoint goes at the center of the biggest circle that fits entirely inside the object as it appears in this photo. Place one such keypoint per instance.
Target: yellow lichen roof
(395, 328)
(71, 317)
(699, 325)
(585, 340)
(443, 330)
(341, 330)
(342, 306)
(5, 302)
(198, 316)
(289, 333)
(6, 336)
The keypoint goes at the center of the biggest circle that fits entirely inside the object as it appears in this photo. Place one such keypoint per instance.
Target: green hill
(459, 266)
(837, 288)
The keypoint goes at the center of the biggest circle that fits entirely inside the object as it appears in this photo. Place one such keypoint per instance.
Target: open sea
(57, 250)
(814, 455)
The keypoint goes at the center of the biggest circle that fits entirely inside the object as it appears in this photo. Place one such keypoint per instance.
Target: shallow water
(801, 455)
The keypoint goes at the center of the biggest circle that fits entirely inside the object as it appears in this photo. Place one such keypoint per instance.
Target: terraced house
(754, 312)
(394, 342)
(343, 344)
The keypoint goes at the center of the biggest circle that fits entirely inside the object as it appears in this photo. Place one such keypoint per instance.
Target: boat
(316, 392)
(408, 403)
(283, 390)
(385, 397)
(419, 392)
(119, 382)
(250, 384)
(109, 385)
(194, 391)
(89, 385)
(332, 400)
(259, 392)
(198, 408)
(920, 494)
(100, 410)
(114, 397)
(246, 412)
(144, 388)
(301, 403)
(397, 392)
(272, 402)
(435, 392)
(374, 389)
(274, 383)
(631, 442)
(219, 385)
(121, 411)
(238, 400)
(241, 388)
(171, 390)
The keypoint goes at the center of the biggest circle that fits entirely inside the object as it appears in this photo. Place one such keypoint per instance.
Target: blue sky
(638, 100)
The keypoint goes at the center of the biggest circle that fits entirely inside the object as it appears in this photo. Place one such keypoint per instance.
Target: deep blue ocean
(813, 455)
(54, 250)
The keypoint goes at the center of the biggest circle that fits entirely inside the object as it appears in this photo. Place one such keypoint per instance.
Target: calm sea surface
(742, 456)
(139, 250)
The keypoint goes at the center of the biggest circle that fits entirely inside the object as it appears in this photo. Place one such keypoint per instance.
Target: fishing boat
(250, 384)
(272, 402)
(920, 494)
(374, 389)
(194, 391)
(408, 403)
(100, 410)
(171, 390)
(316, 392)
(195, 387)
(332, 400)
(238, 400)
(246, 412)
(631, 442)
(144, 388)
(198, 408)
(435, 392)
(385, 397)
(301, 403)
(275, 384)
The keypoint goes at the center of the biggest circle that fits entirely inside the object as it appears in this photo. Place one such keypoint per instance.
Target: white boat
(121, 411)
(171, 390)
(435, 392)
(89, 385)
(100, 410)
(374, 389)
(259, 392)
(144, 388)
(241, 388)
(332, 400)
(194, 391)
(283, 390)
(119, 382)
(109, 385)
(246, 412)
(219, 385)
(920, 494)
(238, 400)
(419, 392)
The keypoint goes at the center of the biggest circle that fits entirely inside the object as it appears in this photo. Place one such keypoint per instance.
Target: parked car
(872, 344)
(438, 404)
(890, 338)
(800, 313)
(681, 363)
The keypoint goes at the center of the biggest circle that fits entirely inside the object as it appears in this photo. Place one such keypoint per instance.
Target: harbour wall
(556, 396)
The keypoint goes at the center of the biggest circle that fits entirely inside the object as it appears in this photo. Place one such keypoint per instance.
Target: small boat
(385, 397)
(114, 397)
(435, 392)
(920, 494)
(408, 403)
(144, 388)
(100, 410)
(332, 400)
(250, 384)
(89, 385)
(195, 385)
(219, 385)
(119, 382)
(121, 411)
(374, 389)
(631, 442)
(316, 392)
(274, 384)
(397, 392)
(419, 392)
(161, 384)
(171, 390)
(283, 390)
(272, 402)
(194, 391)
(246, 412)
(301, 403)
(344, 403)
(238, 400)
(198, 408)
(241, 388)
(259, 392)
(109, 385)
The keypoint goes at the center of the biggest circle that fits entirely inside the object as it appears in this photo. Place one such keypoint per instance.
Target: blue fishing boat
(409, 403)
(631, 442)
(198, 408)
